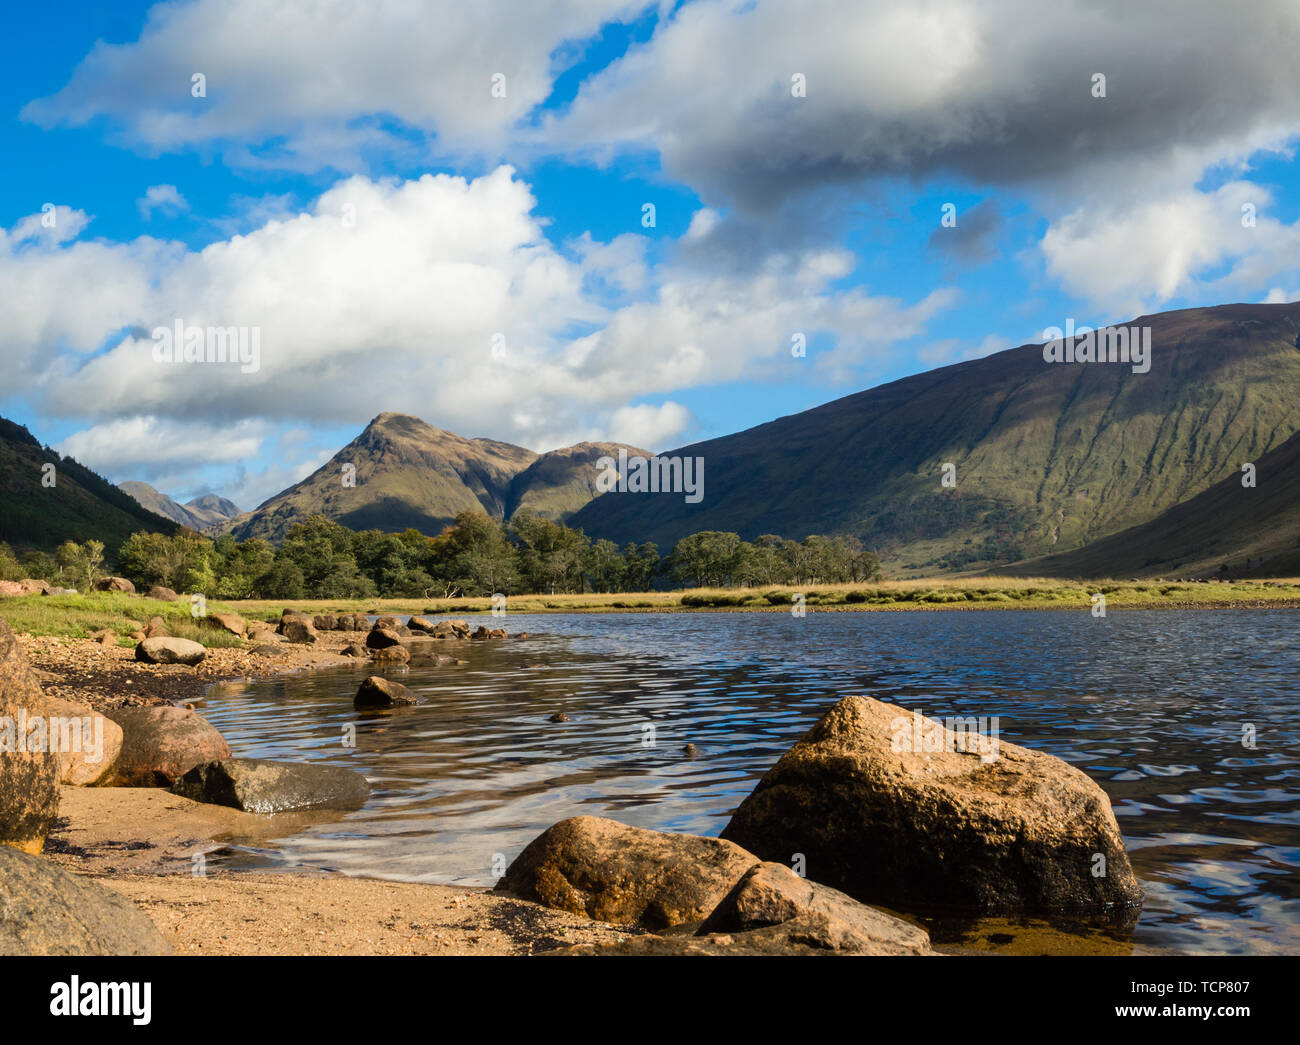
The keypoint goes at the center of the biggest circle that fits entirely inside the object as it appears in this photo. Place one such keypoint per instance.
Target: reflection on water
(1153, 705)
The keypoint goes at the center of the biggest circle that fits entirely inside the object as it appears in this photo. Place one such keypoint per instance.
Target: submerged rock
(258, 785)
(160, 744)
(379, 692)
(941, 823)
(626, 875)
(45, 910)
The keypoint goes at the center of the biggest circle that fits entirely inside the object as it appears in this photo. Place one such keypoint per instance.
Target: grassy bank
(80, 616)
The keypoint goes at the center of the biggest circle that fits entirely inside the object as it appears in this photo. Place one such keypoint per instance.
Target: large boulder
(170, 651)
(379, 692)
(899, 810)
(161, 744)
(29, 780)
(298, 630)
(626, 875)
(157, 629)
(391, 655)
(325, 622)
(113, 584)
(423, 625)
(162, 594)
(46, 910)
(772, 894)
(257, 785)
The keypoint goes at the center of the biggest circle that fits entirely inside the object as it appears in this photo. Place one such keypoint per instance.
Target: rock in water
(772, 894)
(161, 744)
(170, 651)
(46, 910)
(626, 875)
(382, 638)
(257, 785)
(29, 780)
(379, 692)
(934, 824)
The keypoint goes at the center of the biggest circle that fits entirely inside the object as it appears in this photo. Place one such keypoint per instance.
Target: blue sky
(348, 185)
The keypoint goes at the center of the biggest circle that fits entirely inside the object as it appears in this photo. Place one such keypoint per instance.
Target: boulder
(107, 637)
(52, 590)
(391, 655)
(626, 875)
(88, 742)
(379, 692)
(157, 629)
(170, 651)
(481, 632)
(325, 622)
(257, 785)
(161, 744)
(381, 638)
(391, 623)
(898, 810)
(29, 780)
(230, 622)
(162, 594)
(772, 894)
(354, 649)
(423, 625)
(298, 630)
(46, 910)
(113, 584)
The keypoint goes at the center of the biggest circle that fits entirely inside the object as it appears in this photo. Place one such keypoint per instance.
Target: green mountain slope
(561, 482)
(80, 506)
(1047, 456)
(1227, 530)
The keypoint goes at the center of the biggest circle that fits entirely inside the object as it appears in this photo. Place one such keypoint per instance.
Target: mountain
(1047, 456)
(1227, 530)
(198, 514)
(409, 474)
(80, 506)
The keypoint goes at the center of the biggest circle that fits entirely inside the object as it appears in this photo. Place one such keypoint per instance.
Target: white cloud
(164, 198)
(647, 426)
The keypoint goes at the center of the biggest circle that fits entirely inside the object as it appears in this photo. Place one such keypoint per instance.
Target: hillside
(198, 514)
(80, 506)
(1047, 456)
(1228, 530)
(412, 475)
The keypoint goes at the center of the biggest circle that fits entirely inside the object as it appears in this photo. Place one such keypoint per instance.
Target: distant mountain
(198, 514)
(1046, 456)
(1228, 530)
(79, 506)
(407, 474)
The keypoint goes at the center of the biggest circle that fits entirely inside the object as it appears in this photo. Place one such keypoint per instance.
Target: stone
(29, 780)
(162, 594)
(113, 584)
(297, 630)
(391, 655)
(108, 637)
(381, 638)
(170, 651)
(45, 910)
(354, 649)
(772, 894)
(258, 785)
(626, 875)
(157, 629)
(325, 622)
(268, 649)
(379, 692)
(89, 742)
(897, 810)
(229, 622)
(161, 744)
(559, 716)
(422, 624)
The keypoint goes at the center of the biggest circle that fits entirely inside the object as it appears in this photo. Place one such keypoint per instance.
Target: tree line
(474, 556)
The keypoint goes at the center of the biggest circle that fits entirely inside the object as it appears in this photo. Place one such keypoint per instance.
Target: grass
(78, 616)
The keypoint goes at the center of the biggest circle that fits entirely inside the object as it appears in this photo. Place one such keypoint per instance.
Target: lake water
(1152, 704)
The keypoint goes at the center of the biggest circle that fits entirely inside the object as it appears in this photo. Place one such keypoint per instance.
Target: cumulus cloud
(164, 198)
(310, 85)
(439, 297)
